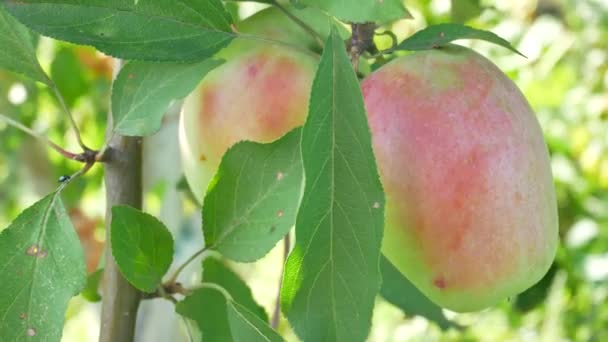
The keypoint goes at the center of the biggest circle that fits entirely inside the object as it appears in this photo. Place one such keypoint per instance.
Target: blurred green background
(565, 78)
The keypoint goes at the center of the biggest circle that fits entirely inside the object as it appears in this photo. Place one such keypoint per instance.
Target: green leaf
(253, 201)
(333, 271)
(18, 53)
(91, 289)
(182, 30)
(143, 91)
(436, 36)
(215, 271)
(464, 10)
(142, 247)
(42, 267)
(247, 327)
(207, 306)
(399, 291)
(360, 11)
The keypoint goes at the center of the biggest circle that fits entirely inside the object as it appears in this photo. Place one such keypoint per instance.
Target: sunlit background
(565, 78)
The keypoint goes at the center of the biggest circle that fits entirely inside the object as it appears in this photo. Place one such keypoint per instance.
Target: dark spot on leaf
(439, 282)
(280, 213)
(202, 157)
(30, 332)
(23, 315)
(273, 228)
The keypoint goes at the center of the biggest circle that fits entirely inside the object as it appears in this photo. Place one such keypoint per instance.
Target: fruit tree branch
(123, 179)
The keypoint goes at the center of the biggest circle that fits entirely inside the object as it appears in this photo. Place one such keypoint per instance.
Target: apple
(259, 94)
(471, 213)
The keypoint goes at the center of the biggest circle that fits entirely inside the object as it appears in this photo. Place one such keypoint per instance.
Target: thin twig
(316, 36)
(69, 115)
(185, 264)
(27, 130)
(362, 40)
(276, 315)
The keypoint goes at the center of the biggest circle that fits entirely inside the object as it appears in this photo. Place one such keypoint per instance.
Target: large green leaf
(254, 198)
(177, 30)
(332, 276)
(436, 36)
(400, 292)
(17, 52)
(247, 327)
(360, 11)
(143, 91)
(142, 247)
(42, 267)
(208, 306)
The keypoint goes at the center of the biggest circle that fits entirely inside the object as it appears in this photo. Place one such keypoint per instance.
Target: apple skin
(259, 94)
(471, 214)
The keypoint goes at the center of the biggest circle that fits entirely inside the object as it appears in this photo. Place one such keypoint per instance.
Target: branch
(123, 179)
(88, 156)
(362, 40)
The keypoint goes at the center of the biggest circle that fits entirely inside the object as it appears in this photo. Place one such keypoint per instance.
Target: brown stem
(362, 40)
(123, 179)
(276, 315)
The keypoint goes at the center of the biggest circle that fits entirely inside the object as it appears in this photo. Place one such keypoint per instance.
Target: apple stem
(362, 40)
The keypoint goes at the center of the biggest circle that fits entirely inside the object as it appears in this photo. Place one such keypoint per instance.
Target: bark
(123, 181)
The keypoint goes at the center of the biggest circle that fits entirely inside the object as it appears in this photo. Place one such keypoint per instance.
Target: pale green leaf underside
(143, 91)
(182, 30)
(41, 267)
(254, 198)
(361, 11)
(333, 271)
(142, 247)
(17, 52)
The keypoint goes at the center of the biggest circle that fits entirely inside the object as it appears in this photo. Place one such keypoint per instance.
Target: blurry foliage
(565, 78)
